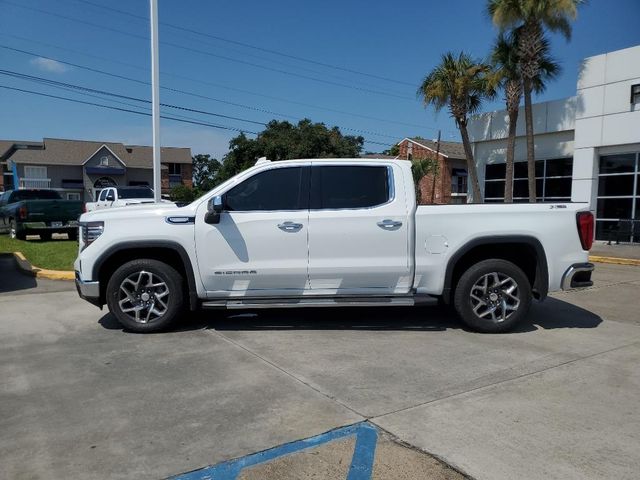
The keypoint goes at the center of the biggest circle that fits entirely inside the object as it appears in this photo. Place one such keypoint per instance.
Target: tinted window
(103, 195)
(135, 193)
(19, 195)
(276, 189)
(496, 171)
(349, 186)
(562, 167)
(617, 163)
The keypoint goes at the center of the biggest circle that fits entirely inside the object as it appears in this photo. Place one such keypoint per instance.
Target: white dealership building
(587, 147)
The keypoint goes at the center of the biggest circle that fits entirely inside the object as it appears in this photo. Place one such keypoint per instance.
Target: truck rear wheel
(15, 232)
(492, 296)
(145, 295)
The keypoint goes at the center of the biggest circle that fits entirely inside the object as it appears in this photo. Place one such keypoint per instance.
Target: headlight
(90, 232)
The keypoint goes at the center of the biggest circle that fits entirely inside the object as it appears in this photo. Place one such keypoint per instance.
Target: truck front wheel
(145, 295)
(492, 296)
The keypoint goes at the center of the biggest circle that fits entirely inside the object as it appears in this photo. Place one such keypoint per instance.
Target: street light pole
(155, 100)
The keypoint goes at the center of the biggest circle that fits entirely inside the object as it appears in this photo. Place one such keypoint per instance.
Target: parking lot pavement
(556, 399)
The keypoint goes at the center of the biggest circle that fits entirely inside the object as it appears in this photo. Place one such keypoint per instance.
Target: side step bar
(258, 303)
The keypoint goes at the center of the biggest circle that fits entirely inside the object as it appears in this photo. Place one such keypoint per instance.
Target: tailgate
(53, 210)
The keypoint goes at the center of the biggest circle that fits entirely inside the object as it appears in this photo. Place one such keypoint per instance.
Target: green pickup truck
(38, 212)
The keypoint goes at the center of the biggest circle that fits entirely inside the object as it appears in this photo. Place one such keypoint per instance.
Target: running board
(405, 301)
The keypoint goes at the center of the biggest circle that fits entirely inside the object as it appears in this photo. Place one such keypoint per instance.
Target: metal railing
(34, 183)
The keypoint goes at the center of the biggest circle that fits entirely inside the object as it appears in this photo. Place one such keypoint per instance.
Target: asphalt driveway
(80, 398)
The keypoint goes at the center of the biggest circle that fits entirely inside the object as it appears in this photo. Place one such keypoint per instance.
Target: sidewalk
(600, 248)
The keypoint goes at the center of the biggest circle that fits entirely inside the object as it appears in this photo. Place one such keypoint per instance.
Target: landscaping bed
(52, 255)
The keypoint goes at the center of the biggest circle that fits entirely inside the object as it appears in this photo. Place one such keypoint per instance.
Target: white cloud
(49, 65)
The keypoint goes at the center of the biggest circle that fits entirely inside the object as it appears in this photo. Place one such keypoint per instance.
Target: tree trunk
(511, 147)
(471, 164)
(531, 161)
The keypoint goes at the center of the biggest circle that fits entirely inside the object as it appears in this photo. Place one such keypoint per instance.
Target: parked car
(305, 233)
(121, 197)
(38, 212)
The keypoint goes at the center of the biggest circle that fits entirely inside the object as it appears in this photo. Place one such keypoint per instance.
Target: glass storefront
(553, 181)
(618, 207)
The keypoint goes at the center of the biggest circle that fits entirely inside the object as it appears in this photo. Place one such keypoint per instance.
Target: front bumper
(577, 275)
(89, 291)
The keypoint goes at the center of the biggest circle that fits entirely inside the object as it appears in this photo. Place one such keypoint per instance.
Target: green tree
(284, 140)
(394, 151)
(182, 194)
(460, 84)
(507, 75)
(531, 18)
(420, 168)
(205, 171)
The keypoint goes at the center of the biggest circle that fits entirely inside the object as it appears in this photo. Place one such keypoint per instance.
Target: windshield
(19, 195)
(135, 192)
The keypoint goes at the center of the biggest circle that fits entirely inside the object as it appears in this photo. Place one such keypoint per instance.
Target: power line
(206, 83)
(127, 110)
(367, 132)
(248, 45)
(223, 57)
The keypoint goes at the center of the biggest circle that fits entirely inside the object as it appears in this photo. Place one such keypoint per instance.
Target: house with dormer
(79, 169)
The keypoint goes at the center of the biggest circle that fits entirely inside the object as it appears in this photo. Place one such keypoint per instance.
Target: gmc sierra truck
(334, 232)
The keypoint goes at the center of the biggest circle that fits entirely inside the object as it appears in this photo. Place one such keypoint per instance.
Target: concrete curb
(615, 260)
(25, 266)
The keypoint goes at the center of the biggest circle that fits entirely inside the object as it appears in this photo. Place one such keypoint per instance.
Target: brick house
(451, 181)
(78, 168)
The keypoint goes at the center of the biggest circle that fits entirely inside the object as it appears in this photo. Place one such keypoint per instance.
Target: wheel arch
(522, 250)
(171, 253)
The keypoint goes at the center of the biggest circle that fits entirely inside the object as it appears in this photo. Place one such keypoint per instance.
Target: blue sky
(400, 41)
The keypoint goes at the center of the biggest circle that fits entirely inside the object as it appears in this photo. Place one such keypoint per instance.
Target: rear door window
(275, 189)
(349, 186)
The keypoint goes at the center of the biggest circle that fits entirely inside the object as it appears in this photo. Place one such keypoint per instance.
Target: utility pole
(436, 171)
(155, 100)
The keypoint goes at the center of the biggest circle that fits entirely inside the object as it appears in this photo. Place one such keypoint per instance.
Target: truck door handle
(389, 224)
(289, 226)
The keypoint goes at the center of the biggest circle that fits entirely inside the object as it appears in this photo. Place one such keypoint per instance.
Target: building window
(635, 93)
(73, 196)
(618, 207)
(553, 181)
(35, 172)
(174, 168)
(458, 181)
(104, 161)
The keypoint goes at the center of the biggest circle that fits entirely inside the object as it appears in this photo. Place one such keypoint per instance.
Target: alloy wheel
(495, 296)
(143, 297)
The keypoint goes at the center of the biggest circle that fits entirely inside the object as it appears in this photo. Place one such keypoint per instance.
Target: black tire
(45, 237)
(16, 232)
(171, 306)
(490, 298)
(72, 235)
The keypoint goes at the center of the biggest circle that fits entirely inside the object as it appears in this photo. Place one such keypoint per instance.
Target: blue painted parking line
(361, 463)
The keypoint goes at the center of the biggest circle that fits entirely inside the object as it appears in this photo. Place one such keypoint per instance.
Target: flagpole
(155, 100)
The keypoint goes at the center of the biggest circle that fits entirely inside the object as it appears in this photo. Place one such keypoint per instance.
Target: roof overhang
(423, 146)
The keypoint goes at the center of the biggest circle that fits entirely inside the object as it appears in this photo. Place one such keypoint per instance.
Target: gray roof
(75, 152)
(450, 149)
(377, 155)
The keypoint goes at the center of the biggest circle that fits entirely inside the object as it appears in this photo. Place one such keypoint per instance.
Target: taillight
(22, 213)
(585, 229)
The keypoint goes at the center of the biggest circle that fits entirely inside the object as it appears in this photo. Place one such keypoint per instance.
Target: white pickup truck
(340, 232)
(111, 197)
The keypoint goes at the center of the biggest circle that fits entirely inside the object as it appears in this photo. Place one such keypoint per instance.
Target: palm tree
(460, 84)
(532, 17)
(507, 75)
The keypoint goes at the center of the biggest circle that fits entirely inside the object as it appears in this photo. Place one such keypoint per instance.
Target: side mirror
(110, 197)
(214, 208)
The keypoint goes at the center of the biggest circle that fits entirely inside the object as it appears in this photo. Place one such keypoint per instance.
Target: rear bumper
(89, 291)
(577, 275)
